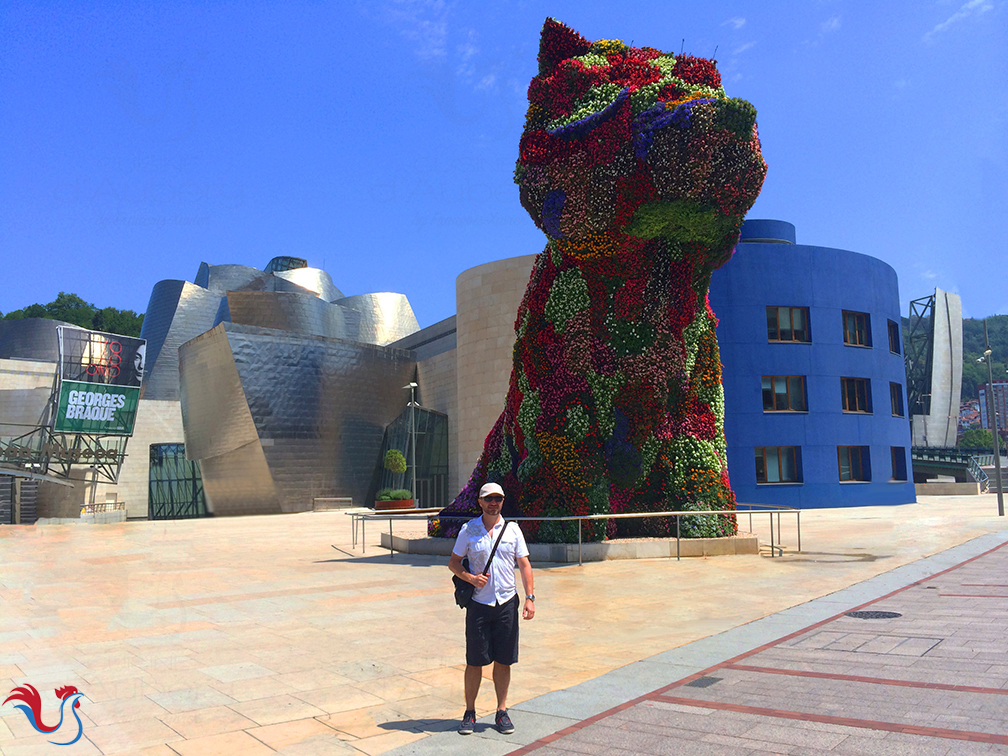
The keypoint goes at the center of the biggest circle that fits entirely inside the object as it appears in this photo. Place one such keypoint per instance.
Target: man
(492, 615)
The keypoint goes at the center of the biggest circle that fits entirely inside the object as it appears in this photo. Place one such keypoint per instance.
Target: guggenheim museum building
(268, 390)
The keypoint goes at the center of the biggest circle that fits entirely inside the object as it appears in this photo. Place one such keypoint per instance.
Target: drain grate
(703, 682)
(874, 614)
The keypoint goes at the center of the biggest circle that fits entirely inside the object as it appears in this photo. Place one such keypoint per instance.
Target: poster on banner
(100, 379)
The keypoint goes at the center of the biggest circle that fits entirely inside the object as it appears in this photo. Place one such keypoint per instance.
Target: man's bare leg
(502, 680)
(473, 676)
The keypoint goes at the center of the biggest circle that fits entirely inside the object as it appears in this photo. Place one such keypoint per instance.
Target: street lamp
(412, 386)
(992, 415)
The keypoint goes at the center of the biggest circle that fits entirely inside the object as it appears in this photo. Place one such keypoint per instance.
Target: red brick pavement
(930, 681)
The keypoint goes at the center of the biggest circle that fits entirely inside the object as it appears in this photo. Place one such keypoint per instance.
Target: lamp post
(992, 415)
(412, 386)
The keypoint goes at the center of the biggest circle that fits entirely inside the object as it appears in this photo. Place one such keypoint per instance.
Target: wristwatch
(530, 597)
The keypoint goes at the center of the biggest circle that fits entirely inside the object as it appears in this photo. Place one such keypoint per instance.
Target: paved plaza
(257, 635)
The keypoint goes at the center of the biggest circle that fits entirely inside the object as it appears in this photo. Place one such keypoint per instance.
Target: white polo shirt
(476, 543)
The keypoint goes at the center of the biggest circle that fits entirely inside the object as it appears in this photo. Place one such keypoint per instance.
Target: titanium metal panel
(177, 311)
(286, 311)
(239, 483)
(30, 339)
(312, 279)
(219, 430)
(320, 407)
(215, 413)
(385, 316)
(222, 278)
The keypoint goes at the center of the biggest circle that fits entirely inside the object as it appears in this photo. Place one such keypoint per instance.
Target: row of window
(782, 464)
(793, 324)
(786, 393)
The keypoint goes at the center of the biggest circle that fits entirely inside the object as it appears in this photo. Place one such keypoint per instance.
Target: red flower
(697, 71)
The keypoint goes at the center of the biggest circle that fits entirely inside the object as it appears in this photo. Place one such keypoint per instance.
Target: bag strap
(487, 568)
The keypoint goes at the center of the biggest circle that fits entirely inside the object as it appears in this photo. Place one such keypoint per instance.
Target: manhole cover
(874, 615)
(703, 682)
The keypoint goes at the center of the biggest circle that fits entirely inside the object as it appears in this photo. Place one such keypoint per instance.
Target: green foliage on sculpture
(639, 169)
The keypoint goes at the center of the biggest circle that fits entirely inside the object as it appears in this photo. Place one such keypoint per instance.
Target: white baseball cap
(490, 488)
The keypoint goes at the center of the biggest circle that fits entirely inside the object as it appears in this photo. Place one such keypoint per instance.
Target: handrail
(956, 456)
(978, 474)
(362, 517)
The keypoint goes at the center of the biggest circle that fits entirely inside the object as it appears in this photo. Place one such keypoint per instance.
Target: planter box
(598, 551)
(385, 506)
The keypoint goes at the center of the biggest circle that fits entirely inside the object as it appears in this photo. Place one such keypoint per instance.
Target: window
(898, 454)
(894, 337)
(854, 463)
(896, 399)
(856, 394)
(788, 324)
(784, 393)
(778, 464)
(856, 329)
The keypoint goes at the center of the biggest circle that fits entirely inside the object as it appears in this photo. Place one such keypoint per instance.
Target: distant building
(1000, 404)
(969, 415)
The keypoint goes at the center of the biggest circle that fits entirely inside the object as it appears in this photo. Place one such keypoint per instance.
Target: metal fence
(751, 509)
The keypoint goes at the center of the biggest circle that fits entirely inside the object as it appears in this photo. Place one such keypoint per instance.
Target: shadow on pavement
(429, 725)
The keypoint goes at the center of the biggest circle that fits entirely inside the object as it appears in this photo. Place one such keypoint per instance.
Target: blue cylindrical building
(814, 381)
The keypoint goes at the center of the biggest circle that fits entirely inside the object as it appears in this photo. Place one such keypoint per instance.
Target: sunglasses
(493, 497)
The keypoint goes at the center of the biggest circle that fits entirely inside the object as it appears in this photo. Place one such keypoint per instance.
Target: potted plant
(394, 498)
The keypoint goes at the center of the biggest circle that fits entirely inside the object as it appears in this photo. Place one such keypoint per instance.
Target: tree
(395, 462)
(70, 308)
(977, 438)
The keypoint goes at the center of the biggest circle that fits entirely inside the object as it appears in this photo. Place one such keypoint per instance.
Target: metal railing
(103, 506)
(434, 514)
(955, 457)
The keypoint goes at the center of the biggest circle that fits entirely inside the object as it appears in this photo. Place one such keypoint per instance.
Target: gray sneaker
(504, 724)
(468, 723)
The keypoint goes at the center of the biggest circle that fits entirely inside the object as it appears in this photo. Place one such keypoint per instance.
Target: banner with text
(96, 408)
(101, 375)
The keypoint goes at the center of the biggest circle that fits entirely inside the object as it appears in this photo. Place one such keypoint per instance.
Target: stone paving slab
(741, 694)
(180, 632)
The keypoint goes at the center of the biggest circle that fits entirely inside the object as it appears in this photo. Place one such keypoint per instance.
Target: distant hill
(974, 373)
(72, 309)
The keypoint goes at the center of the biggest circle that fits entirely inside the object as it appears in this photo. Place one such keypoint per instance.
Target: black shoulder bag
(463, 590)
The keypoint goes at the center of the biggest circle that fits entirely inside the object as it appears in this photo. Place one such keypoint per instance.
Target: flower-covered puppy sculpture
(639, 169)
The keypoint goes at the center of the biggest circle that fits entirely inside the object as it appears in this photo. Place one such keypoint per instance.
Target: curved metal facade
(30, 339)
(222, 278)
(312, 279)
(775, 272)
(277, 418)
(385, 316)
(287, 311)
(177, 311)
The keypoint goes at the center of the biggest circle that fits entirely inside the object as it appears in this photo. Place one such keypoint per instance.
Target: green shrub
(395, 462)
(393, 494)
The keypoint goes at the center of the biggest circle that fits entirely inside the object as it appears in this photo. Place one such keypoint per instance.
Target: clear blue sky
(378, 139)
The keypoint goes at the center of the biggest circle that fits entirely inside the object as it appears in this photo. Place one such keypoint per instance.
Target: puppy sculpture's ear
(557, 43)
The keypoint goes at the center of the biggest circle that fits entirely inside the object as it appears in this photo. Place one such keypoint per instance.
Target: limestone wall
(158, 421)
(487, 298)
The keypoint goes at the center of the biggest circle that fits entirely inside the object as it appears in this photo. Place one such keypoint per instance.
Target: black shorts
(492, 633)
